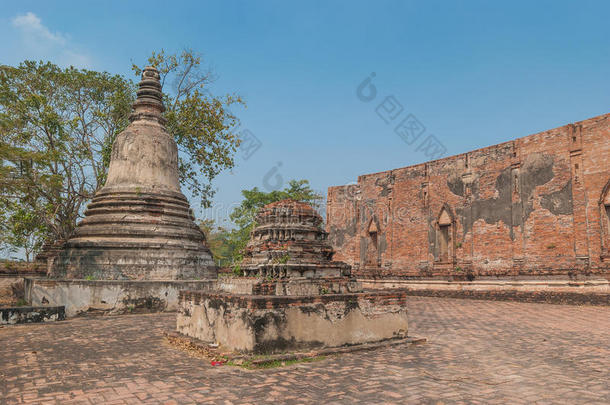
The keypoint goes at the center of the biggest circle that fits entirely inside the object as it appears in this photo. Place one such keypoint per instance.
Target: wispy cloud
(31, 25)
(39, 42)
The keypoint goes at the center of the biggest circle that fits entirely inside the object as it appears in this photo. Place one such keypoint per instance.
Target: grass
(273, 363)
(282, 260)
(21, 302)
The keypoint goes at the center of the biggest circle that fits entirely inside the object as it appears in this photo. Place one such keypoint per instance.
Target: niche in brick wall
(445, 229)
(372, 244)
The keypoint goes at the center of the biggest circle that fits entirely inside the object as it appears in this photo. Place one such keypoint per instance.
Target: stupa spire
(149, 101)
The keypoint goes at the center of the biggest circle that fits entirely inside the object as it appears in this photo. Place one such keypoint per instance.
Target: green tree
(244, 215)
(21, 229)
(218, 240)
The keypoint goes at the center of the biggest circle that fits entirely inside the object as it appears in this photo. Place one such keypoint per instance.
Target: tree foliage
(218, 240)
(21, 229)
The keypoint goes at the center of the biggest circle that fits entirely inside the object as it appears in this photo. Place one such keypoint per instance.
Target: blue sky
(472, 73)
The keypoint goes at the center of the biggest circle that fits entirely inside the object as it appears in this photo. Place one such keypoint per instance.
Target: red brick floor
(478, 352)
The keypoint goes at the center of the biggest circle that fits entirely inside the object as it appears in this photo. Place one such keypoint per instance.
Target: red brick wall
(532, 206)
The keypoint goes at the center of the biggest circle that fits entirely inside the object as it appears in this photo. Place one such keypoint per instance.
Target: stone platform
(276, 323)
(110, 296)
(295, 286)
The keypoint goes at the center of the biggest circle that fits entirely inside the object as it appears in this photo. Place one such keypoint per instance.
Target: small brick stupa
(289, 241)
(298, 298)
(139, 225)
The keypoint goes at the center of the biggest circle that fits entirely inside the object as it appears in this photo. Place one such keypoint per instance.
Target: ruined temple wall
(525, 207)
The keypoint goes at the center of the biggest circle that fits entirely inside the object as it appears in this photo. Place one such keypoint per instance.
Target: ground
(477, 352)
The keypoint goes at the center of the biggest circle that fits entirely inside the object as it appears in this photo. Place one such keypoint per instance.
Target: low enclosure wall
(267, 324)
(594, 291)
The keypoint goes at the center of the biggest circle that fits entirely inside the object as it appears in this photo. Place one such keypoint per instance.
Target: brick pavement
(479, 352)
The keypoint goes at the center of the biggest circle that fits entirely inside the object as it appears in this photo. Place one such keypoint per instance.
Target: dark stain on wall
(144, 304)
(363, 249)
(382, 243)
(337, 235)
(385, 184)
(432, 237)
(559, 202)
(536, 171)
(491, 210)
(456, 185)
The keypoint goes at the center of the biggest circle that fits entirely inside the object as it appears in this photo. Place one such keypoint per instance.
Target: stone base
(110, 296)
(270, 324)
(15, 315)
(138, 261)
(254, 360)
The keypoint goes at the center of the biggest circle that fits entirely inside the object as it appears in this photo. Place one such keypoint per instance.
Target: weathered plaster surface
(110, 296)
(276, 324)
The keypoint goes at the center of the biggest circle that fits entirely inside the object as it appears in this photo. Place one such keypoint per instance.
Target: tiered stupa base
(136, 236)
(137, 261)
